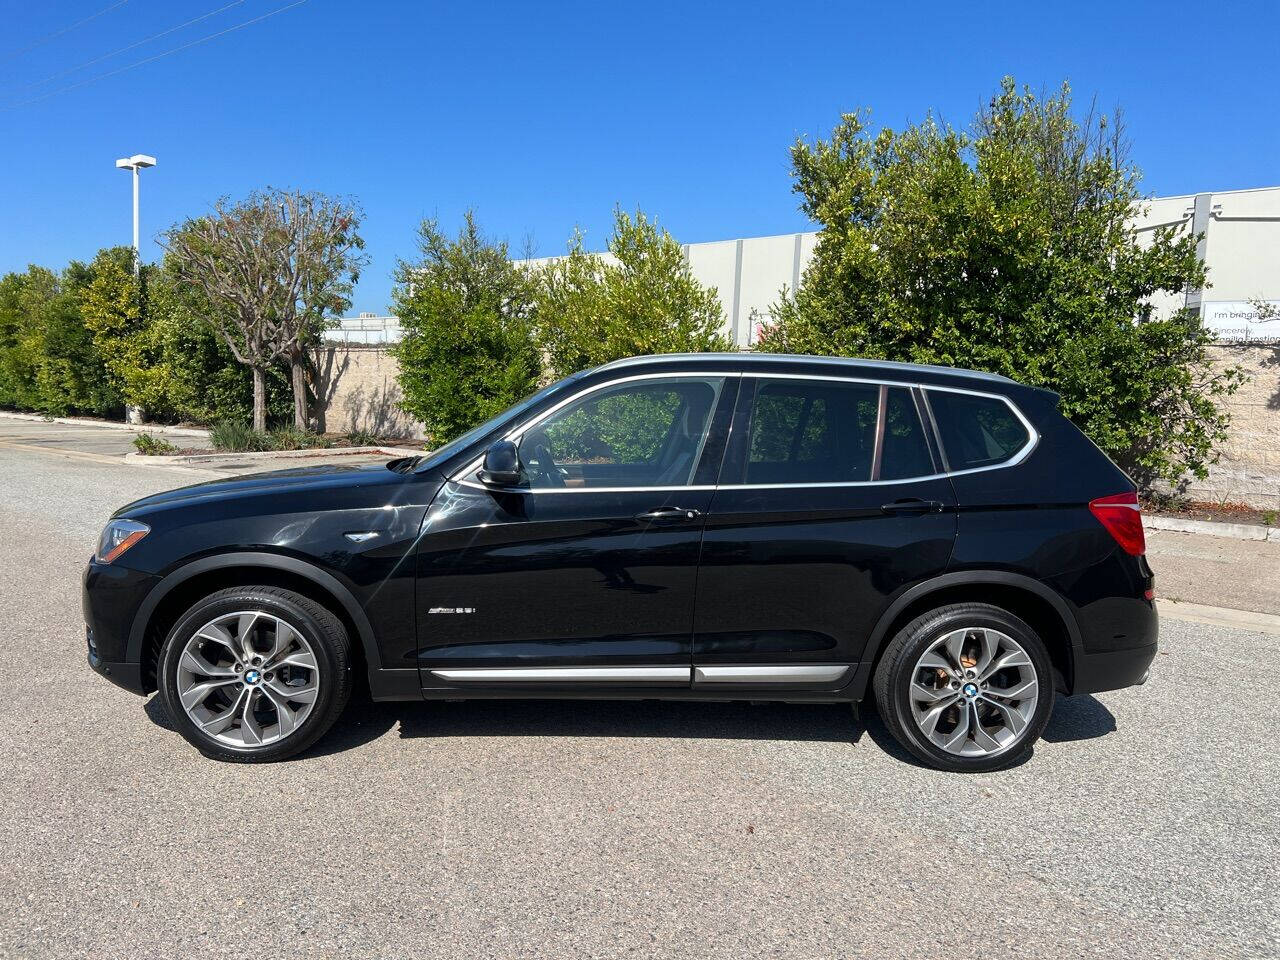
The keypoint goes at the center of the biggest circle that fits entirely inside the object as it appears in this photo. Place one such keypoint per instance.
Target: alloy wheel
(974, 691)
(248, 679)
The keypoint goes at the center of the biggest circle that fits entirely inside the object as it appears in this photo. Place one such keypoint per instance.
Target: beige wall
(1249, 469)
(358, 391)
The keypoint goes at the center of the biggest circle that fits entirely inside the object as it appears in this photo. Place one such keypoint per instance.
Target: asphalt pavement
(1144, 825)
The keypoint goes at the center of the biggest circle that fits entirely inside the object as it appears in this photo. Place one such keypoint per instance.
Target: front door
(830, 501)
(585, 574)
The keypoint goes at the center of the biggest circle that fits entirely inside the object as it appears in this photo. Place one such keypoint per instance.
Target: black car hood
(294, 480)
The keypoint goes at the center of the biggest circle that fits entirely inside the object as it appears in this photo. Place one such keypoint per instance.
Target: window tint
(812, 431)
(976, 431)
(906, 452)
(643, 434)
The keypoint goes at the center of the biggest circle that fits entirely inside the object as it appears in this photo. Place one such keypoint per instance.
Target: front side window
(820, 431)
(976, 431)
(640, 434)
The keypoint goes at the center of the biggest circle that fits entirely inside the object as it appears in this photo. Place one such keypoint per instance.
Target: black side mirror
(501, 467)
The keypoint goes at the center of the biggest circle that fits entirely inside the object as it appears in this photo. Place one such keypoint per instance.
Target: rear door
(831, 500)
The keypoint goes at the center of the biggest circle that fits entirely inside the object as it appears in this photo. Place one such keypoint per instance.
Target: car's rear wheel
(967, 687)
(255, 673)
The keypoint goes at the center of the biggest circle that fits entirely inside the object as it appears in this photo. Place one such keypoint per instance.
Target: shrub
(235, 436)
(363, 438)
(1009, 249)
(291, 438)
(468, 351)
(151, 446)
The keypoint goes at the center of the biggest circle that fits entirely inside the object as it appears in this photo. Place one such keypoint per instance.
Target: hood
(293, 480)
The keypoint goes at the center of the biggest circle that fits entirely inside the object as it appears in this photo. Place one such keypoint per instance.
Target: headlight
(119, 536)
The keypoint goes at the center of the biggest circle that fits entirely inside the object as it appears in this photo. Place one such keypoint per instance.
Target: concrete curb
(1220, 616)
(1212, 528)
(106, 424)
(193, 459)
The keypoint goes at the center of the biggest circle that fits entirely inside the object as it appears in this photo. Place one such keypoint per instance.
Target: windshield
(438, 456)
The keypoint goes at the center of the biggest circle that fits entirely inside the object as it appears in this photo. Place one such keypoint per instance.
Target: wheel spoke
(286, 717)
(220, 634)
(244, 633)
(197, 692)
(921, 692)
(303, 694)
(954, 645)
(220, 721)
(195, 662)
(1013, 717)
(988, 645)
(954, 741)
(299, 658)
(250, 729)
(982, 738)
(932, 660)
(1014, 658)
(929, 719)
(1020, 691)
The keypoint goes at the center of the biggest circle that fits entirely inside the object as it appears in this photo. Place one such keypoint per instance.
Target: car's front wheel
(967, 687)
(254, 674)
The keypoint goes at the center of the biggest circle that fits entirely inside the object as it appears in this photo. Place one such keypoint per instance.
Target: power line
(57, 33)
(152, 59)
(113, 53)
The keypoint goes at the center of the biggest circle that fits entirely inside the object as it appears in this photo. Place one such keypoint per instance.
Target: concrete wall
(357, 387)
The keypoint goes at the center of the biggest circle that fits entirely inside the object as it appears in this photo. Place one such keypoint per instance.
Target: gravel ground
(1144, 825)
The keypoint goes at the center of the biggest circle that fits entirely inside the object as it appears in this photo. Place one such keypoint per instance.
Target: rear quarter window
(976, 431)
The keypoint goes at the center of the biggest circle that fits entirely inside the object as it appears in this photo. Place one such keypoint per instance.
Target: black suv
(696, 527)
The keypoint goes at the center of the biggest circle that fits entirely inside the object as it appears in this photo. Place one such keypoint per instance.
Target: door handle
(668, 515)
(912, 506)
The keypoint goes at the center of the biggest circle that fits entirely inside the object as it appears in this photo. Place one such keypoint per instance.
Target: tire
(942, 710)
(295, 676)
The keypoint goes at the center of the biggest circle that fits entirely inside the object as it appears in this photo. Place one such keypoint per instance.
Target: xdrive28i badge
(452, 610)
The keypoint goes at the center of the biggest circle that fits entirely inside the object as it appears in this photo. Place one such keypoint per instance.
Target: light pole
(136, 163)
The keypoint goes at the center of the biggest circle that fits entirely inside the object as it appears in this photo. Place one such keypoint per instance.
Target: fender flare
(879, 634)
(267, 561)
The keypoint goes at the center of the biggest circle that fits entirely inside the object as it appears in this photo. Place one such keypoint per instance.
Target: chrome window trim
(463, 476)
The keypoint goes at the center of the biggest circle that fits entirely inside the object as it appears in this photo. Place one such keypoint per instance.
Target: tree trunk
(298, 370)
(259, 399)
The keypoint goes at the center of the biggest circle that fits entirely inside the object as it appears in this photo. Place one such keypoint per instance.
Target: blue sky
(543, 116)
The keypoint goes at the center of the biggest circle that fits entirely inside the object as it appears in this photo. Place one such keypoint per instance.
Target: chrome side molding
(771, 673)
(566, 674)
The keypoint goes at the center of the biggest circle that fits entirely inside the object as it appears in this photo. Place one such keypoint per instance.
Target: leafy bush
(468, 350)
(151, 446)
(236, 436)
(291, 438)
(1009, 249)
(363, 438)
(591, 310)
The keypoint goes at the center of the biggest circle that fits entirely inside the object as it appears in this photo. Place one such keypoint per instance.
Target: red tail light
(1120, 514)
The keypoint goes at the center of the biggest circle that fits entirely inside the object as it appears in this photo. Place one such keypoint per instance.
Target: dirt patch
(1215, 512)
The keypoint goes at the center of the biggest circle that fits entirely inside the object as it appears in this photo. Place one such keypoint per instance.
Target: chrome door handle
(668, 515)
(913, 505)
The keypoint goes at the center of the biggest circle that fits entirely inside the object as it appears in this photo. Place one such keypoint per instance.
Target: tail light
(1121, 516)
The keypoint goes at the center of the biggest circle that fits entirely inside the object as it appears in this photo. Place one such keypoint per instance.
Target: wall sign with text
(1242, 319)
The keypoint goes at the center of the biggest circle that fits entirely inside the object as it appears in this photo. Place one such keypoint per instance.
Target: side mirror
(501, 467)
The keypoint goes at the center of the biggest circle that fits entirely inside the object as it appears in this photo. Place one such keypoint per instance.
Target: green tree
(468, 349)
(645, 300)
(274, 268)
(48, 359)
(1010, 249)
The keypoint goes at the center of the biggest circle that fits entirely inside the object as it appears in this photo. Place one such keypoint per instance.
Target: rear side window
(817, 431)
(976, 431)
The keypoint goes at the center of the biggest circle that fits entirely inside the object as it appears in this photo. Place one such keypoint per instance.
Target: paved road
(1145, 824)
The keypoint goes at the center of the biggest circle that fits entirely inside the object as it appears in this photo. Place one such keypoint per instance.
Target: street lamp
(135, 163)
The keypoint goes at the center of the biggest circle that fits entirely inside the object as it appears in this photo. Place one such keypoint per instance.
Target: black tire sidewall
(924, 632)
(278, 604)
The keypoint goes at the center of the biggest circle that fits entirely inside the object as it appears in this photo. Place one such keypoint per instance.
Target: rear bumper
(1112, 670)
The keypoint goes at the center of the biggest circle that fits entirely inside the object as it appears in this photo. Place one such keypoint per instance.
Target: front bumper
(111, 598)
